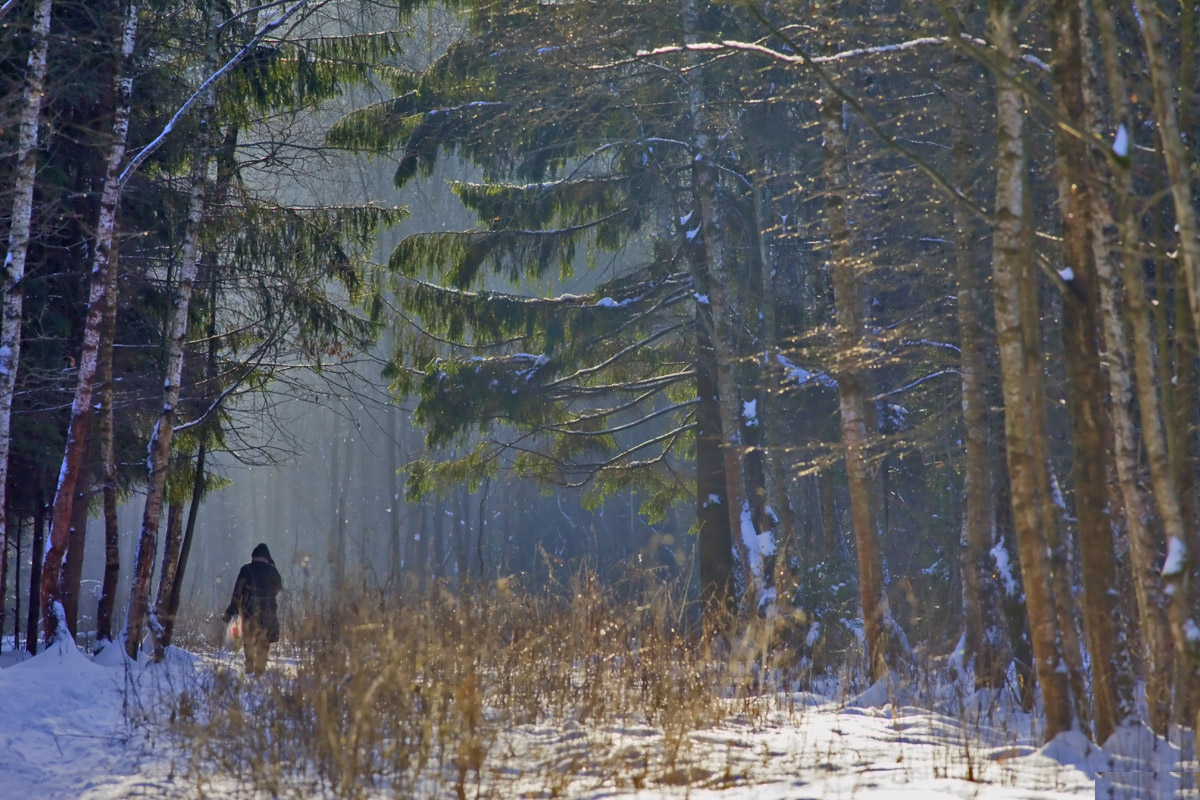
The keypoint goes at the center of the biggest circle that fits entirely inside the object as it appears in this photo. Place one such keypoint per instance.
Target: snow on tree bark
(103, 261)
(1112, 690)
(159, 450)
(1109, 237)
(1174, 572)
(742, 530)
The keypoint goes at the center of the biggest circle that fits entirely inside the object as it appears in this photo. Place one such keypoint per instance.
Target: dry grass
(389, 695)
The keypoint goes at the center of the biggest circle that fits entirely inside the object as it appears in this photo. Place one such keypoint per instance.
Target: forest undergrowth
(502, 692)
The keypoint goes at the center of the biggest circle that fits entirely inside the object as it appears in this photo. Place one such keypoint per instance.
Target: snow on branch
(917, 382)
(157, 142)
(754, 47)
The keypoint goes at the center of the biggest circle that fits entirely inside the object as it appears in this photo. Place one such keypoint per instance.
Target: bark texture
(1176, 567)
(985, 634)
(884, 640)
(746, 542)
(18, 240)
(1020, 365)
(66, 494)
(160, 440)
(1112, 690)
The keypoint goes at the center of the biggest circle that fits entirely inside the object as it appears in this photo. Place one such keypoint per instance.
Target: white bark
(159, 448)
(18, 240)
(206, 89)
(1131, 374)
(103, 263)
(1013, 277)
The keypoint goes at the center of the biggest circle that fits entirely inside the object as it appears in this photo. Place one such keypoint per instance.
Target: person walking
(258, 583)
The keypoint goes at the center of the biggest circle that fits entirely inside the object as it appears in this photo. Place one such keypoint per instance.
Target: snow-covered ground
(74, 727)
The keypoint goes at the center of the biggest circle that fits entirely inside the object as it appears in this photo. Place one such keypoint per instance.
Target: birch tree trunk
(884, 640)
(1013, 276)
(1176, 567)
(66, 495)
(1145, 544)
(18, 240)
(160, 439)
(1154, 651)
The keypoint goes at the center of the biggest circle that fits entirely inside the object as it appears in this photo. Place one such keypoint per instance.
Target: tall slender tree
(18, 239)
(1020, 363)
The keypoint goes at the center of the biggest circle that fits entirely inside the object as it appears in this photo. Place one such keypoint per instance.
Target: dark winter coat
(254, 594)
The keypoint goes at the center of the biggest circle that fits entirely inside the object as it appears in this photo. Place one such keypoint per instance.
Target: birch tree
(159, 449)
(104, 262)
(18, 239)
(1176, 566)
(1020, 363)
(984, 636)
(1132, 376)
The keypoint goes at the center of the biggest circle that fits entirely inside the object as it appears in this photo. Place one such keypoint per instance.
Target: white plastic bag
(233, 632)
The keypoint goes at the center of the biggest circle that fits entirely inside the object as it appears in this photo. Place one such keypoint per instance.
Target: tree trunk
(18, 241)
(337, 513)
(1013, 276)
(172, 545)
(462, 553)
(745, 536)
(35, 572)
(1146, 546)
(480, 540)
(884, 640)
(103, 261)
(830, 534)
(1112, 690)
(1177, 567)
(420, 563)
(1012, 598)
(168, 615)
(108, 463)
(396, 504)
(4, 588)
(438, 532)
(984, 637)
(771, 387)
(16, 543)
(71, 578)
(715, 544)
(160, 439)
